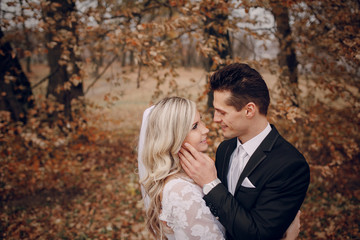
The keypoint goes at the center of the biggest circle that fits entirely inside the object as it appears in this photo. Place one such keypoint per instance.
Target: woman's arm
(185, 212)
(294, 229)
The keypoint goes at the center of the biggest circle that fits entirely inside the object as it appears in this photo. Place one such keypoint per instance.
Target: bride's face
(197, 135)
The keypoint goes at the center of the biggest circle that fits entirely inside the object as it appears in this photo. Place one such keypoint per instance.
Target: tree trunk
(131, 58)
(123, 59)
(16, 95)
(287, 56)
(65, 82)
(215, 29)
(28, 45)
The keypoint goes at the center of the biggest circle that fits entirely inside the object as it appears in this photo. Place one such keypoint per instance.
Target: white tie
(237, 166)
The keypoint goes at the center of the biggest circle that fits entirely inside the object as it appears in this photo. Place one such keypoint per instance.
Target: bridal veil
(141, 167)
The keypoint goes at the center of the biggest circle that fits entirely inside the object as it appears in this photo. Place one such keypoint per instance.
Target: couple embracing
(253, 190)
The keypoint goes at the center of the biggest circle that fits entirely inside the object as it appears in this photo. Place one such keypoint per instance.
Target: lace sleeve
(185, 212)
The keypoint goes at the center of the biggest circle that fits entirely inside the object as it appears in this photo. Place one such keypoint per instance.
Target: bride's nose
(204, 129)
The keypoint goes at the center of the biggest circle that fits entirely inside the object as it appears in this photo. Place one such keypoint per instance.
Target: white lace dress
(185, 212)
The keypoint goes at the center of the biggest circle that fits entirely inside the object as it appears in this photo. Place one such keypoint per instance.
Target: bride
(174, 203)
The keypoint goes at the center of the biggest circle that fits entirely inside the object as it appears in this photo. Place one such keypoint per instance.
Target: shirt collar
(251, 145)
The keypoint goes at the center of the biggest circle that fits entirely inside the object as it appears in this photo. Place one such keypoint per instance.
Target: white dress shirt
(235, 160)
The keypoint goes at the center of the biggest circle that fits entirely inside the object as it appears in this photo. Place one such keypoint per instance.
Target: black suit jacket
(281, 178)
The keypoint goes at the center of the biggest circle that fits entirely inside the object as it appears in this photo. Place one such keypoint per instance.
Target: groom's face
(232, 122)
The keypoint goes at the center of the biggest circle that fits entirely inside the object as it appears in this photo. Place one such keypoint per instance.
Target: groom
(260, 179)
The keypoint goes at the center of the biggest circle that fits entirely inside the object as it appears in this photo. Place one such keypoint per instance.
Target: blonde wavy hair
(168, 125)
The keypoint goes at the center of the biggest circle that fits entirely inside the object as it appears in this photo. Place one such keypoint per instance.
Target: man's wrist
(209, 186)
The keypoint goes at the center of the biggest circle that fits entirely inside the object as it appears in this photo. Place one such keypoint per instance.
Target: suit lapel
(259, 155)
(225, 164)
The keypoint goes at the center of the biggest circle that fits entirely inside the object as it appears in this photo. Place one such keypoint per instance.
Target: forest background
(76, 75)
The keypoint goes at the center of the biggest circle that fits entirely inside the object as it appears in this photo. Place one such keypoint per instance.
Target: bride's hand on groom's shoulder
(294, 229)
(199, 166)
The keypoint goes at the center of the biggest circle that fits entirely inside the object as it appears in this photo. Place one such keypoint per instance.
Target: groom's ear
(250, 109)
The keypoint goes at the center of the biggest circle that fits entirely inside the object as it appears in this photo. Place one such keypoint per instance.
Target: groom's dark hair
(245, 84)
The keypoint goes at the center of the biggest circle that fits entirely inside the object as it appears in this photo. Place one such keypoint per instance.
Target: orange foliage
(76, 182)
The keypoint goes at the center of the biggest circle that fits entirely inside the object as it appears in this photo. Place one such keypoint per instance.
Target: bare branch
(45, 78)
(99, 76)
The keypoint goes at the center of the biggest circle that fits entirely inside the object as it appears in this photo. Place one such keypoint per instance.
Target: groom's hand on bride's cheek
(189, 162)
(198, 166)
(185, 162)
